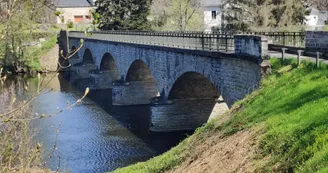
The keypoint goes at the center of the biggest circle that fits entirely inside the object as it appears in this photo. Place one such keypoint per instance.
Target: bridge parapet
(186, 40)
(251, 45)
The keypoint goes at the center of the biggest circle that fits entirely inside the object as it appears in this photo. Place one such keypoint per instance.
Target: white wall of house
(70, 14)
(311, 20)
(210, 19)
(316, 20)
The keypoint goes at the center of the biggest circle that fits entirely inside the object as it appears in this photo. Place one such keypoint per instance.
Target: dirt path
(48, 61)
(232, 154)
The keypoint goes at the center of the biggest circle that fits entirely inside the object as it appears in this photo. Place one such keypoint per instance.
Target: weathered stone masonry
(316, 41)
(233, 76)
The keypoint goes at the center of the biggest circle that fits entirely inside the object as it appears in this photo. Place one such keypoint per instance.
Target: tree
(17, 19)
(320, 4)
(160, 12)
(179, 15)
(244, 14)
(186, 10)
(239, 14)
(123, 14)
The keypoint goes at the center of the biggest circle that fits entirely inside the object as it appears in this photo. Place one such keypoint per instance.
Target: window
(213, 14)
(88, 17)
(78, 19)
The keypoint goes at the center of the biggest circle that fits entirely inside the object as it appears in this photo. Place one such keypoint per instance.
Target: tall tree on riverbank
(123, 14)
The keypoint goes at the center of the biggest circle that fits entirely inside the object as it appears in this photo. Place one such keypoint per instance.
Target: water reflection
(136, 119)
(94, 136)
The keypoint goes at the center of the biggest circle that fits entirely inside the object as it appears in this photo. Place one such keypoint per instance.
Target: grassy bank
(33, 54)
(290, 109)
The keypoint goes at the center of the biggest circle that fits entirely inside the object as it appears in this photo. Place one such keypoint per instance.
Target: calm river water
(94, 136)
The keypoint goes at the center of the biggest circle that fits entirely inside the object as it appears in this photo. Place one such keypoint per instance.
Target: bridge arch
(139, 86)
(88, 57)
(139, 71)
(109, 66)
(193, 85)
(192, 101)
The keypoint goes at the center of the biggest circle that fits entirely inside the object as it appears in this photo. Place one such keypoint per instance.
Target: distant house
(76, 11)
(316, 20)
(212, 14)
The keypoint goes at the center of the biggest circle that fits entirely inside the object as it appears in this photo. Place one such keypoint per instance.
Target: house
(76, 11)
(212, 14)
(316, 20)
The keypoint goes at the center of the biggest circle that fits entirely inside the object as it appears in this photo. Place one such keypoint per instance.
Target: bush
(70, 24)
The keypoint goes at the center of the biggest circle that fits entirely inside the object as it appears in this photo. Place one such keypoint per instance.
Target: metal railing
(211, 41)
(187, 40)
(288, 39)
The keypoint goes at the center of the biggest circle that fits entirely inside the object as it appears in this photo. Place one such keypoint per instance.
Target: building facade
(212, 14)
(76, 11)
(316, 20)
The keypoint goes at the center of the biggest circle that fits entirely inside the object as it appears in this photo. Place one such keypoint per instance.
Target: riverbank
(281, 127)
(37, 54)
(44, 55)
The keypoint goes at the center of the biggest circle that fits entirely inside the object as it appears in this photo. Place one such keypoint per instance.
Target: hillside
(281, 127)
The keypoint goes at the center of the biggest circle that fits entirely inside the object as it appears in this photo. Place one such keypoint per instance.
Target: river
(93, 136)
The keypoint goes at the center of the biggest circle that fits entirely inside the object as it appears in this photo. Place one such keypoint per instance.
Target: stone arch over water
(139, 71)
(192, 85)
(192, 100)
(109, 67)
(139, 86)
(88, 57)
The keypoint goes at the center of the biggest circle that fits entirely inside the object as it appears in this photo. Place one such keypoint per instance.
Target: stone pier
(82, 71)
(103, 79)
(134, 93)
(74, 62)
(178, 115)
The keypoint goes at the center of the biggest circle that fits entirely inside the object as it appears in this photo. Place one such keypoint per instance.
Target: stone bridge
(182, 85)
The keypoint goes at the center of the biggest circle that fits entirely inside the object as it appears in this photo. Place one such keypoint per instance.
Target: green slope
(291, 107)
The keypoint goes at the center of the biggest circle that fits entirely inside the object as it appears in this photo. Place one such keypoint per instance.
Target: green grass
(292, 108)
(293, 105)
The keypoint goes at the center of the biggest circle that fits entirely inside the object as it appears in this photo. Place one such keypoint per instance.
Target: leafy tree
(17, 18)
(123, 14)
(239, 14)
(243, 14)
